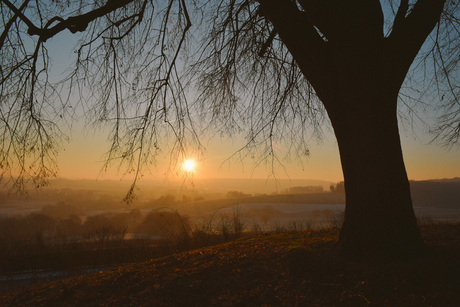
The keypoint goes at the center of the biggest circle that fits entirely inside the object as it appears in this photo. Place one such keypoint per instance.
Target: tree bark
(379, 217)
(357, 73)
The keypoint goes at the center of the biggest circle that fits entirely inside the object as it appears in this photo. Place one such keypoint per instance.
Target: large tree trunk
(357, 73)
(379, 218)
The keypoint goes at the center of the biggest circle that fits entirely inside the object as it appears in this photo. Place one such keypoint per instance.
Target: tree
(280, 66)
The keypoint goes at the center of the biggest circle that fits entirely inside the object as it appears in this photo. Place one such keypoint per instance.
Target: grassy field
(278, 269)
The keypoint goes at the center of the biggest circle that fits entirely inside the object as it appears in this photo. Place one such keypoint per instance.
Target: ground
(276, 269)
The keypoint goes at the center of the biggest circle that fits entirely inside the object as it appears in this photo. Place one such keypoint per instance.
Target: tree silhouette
(162, 70)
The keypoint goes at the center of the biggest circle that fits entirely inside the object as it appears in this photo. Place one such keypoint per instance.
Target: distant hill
(448, 180)
(438, 193)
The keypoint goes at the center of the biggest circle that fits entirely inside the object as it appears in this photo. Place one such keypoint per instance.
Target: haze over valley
(286, 199)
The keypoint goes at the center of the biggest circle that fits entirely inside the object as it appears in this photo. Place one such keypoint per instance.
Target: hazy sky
(83, 158)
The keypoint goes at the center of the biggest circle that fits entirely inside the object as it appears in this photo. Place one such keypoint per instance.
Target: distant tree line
(304, 190)
(339, 187)
(237, 194)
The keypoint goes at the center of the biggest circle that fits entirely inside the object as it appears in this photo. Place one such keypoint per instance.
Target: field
(82, 246)
(283, 268)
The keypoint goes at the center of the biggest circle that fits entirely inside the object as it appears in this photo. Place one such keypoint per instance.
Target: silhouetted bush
(38, 241)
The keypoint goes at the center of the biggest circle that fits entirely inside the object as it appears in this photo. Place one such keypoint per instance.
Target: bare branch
(163, 74)
(18, 13)
(401, 14)
(10, 23)
(74, 24)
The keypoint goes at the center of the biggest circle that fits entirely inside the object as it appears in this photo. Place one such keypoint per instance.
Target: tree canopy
(155, 71)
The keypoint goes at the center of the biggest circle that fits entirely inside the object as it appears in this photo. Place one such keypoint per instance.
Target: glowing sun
(189, 165)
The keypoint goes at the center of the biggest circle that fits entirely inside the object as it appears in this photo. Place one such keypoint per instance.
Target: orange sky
(83, 158)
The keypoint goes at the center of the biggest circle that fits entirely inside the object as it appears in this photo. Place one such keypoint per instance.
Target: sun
(189, 165)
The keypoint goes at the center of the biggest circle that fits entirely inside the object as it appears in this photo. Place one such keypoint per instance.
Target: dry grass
(280, 269)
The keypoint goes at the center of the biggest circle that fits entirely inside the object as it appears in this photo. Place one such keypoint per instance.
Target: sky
(82, 157)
